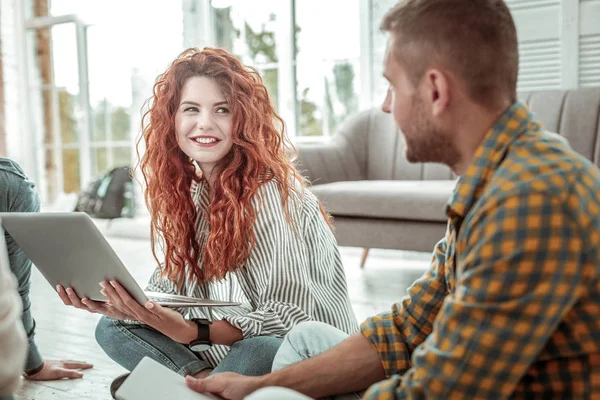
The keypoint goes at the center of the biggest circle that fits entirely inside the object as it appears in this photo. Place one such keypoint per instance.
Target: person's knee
(276, 393)
(105, 332)
(299, 335)
(258, 345)
(251, 357)
(306, 340)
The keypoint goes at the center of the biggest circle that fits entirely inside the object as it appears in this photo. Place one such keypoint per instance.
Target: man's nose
(385, 107)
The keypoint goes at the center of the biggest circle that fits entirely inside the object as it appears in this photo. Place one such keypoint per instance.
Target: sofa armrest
(329, 162)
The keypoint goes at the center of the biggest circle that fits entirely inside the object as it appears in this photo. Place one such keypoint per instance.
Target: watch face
(199, 347)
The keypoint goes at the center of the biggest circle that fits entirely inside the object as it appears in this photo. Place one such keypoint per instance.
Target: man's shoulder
(541, 162)
(544, 161)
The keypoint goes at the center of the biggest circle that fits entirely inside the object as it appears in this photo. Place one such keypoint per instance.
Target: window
(320, 49)
(248, 32)
(83, 116)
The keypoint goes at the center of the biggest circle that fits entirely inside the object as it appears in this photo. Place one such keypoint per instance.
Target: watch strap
(203, 325)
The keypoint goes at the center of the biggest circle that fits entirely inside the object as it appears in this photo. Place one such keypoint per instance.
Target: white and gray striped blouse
(290, 276)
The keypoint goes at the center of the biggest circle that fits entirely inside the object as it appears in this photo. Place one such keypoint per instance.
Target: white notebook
(151, 380)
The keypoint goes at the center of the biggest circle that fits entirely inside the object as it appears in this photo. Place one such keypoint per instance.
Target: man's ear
(437, 91)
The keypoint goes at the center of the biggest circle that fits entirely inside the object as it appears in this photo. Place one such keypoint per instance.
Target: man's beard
(425, 142)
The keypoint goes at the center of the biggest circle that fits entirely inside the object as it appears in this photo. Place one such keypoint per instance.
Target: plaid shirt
(510, 306)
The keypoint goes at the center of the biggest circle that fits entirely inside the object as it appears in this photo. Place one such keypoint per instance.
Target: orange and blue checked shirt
(510, 306)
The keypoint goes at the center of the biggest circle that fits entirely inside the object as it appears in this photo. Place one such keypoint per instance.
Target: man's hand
(227, 385)
(59, 369)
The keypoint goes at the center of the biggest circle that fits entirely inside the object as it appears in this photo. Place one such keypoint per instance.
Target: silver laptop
(150, 380)
(69, 250)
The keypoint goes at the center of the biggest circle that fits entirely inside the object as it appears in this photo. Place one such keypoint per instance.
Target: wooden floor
(66, 333)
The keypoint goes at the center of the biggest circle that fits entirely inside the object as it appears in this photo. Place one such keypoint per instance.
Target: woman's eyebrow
(198, 105)
(190, 103)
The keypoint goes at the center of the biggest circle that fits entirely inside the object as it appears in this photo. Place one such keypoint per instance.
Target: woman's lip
(210, 144)
(204, 137)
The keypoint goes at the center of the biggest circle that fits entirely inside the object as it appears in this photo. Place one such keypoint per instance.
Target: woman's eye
(222, 110)
(190, 109)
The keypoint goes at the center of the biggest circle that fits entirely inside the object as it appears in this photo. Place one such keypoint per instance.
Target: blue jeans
(18, 194)
(305, 340)
(128, 343)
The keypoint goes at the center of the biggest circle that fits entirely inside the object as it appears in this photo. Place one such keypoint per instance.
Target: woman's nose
(204, 121)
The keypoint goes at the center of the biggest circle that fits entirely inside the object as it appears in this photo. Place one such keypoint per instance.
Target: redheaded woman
(235, 222)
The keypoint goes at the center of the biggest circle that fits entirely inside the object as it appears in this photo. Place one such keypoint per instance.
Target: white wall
(589, 43)
(559, 43)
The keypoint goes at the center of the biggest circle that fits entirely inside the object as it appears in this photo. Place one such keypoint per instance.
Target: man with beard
(510, 305)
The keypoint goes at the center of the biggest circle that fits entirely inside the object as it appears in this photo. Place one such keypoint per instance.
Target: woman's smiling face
(203, 122)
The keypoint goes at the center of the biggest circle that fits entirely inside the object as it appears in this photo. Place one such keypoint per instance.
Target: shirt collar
(487, 158)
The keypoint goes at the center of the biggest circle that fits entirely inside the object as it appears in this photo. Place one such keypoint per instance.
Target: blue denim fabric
(18, 194)
(305, 340)
(128, 343)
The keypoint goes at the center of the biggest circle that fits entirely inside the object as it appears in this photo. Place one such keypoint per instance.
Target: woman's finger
(63, 295)
(95, 306)
(155, 309)
(75, 300)
(117, 301)
(138, 310)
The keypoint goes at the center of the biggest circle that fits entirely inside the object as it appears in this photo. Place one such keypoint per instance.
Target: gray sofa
(380, 200)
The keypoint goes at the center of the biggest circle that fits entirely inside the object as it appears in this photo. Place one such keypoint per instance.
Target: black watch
(202, 342)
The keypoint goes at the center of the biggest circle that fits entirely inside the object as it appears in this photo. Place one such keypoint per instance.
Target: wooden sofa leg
(363, 259)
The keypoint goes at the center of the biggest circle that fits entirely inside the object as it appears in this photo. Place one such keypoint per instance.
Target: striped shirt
(510, 306)
(291, 276)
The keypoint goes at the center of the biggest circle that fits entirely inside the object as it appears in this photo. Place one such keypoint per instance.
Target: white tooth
(205, 140)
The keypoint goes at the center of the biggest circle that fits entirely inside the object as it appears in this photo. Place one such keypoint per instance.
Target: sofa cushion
(402, 200)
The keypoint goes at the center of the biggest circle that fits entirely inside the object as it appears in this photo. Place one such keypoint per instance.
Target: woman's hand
(70, 298)
(169, 322)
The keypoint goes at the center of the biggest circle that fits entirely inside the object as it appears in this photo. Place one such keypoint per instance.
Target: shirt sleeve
(278, 265)
(396, 334)
(13, 340)
(521, 272)
(159, 284)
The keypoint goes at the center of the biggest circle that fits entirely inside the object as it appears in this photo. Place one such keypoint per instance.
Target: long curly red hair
(260, 153)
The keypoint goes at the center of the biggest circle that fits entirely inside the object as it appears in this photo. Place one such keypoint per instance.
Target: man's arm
(520, 274)
(382, 348)
(351, 366)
